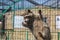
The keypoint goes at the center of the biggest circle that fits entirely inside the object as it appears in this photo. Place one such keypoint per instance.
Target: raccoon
(37, 26)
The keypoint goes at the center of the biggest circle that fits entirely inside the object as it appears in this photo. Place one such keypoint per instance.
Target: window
(18, 21)
(58, 22)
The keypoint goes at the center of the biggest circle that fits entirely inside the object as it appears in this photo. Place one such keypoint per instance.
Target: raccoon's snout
(25, 23)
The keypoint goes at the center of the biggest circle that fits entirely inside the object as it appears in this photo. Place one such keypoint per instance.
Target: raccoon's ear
(29, 11)
(41, 16)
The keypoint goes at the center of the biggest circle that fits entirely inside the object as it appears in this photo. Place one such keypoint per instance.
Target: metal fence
(24, 35)
(21, 35)
(17, 35)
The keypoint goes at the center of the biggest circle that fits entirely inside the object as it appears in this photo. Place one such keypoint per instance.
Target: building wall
(49, 13)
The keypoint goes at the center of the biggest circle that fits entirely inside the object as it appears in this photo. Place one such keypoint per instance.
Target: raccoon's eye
(26, 19)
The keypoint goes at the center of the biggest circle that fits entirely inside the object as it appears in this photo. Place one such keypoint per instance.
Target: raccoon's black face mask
(28, 20)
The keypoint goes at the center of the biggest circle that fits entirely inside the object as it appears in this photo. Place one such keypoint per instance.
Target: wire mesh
(24, 33)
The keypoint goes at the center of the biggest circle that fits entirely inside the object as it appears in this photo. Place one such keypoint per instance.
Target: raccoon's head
(28, 19)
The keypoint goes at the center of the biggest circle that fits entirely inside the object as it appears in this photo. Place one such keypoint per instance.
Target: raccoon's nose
(24, 23)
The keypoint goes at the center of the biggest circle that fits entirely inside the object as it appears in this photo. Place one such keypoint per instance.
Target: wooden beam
(3, 4)
(12, 1)
(46, 2)
(33, 2)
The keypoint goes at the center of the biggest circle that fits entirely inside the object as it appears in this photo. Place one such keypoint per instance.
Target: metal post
(13, 16)
(58, 35)
(8, 36)
(26, 35)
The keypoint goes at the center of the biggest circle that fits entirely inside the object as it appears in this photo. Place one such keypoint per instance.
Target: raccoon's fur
(37, 26)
